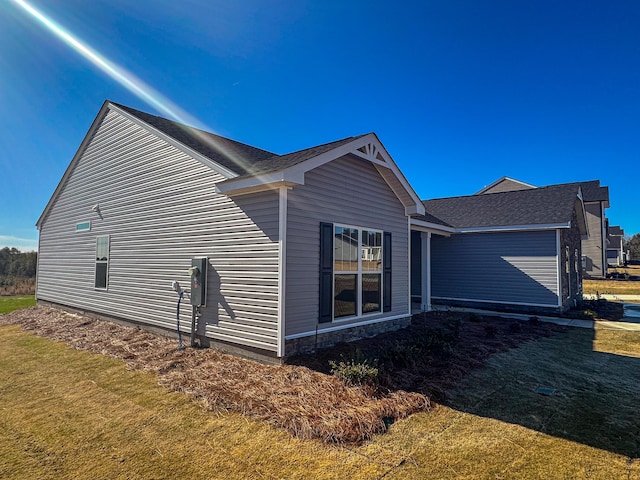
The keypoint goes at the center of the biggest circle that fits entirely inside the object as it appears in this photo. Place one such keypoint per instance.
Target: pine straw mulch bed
(306, 403)
(416, 365)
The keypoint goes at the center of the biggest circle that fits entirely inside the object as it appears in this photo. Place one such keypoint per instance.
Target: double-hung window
(102, 261)
(355, 272)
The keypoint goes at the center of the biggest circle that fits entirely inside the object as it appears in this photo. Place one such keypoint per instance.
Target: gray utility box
(199, 281)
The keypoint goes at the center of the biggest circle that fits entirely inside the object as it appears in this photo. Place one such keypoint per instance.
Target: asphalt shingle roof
(592, 191)
(537, 206)
(219, 149)
(242, 159)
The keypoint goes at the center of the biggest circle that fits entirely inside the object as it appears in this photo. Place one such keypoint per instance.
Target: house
(300, 250)
(285, 253)
(596, 200)
(616, 254)
(516, 249)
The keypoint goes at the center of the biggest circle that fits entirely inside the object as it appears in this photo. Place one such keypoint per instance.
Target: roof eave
(423, 225)
(512, 228)
(83, 145)
(225, 172)
(294, 175)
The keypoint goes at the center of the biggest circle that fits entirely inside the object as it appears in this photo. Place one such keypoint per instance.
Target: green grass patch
(11, 303)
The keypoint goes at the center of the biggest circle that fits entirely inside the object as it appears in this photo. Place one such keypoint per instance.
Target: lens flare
(130, 81)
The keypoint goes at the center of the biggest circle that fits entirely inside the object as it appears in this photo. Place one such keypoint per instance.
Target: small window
(102, 261)
(82, 227)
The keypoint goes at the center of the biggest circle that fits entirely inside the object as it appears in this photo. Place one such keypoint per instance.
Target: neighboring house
(616, 255)
(518, 249)
(596, 200)
(304, 249)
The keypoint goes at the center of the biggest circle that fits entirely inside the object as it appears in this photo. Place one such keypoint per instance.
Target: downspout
(282, 267)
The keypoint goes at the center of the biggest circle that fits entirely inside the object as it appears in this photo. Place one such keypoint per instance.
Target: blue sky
(459, 92)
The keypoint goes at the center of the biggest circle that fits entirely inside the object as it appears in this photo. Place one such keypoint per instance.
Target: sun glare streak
(127, 79)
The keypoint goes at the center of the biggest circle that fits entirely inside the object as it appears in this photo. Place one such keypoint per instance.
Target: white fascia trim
(225, 172)
(260, 182)
(295, 173)
(423, 226)
(500, 180)
(344, 326)
(83, 146)
(549, 305)
(390, 164)
(282, 267)
(513, 228)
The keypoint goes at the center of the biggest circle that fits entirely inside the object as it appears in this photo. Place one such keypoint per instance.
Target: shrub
(474, 317)
(401, 354)
(355, 373)
(534, 320)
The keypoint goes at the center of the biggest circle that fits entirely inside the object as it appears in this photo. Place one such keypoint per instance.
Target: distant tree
(14, 263)
(633, 244)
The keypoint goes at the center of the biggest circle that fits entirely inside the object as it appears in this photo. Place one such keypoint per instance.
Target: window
(357, 271)
(84, 226)
(102, 261)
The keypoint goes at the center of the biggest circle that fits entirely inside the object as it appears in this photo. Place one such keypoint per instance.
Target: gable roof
(591, 189)
(615, 230)
(544, 207)
(249, 168)
(505, 184)
(221, 150)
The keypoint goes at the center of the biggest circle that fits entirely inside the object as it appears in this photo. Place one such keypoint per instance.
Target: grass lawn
(614, 287)
(11, 303)
(74, 414)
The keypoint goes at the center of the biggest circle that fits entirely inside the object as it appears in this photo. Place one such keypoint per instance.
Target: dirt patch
(307, 403)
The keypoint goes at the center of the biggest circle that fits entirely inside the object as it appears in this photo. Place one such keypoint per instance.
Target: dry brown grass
(306, 403)
(615, 287)
(611, 287)
(69, 414)
(17, 286)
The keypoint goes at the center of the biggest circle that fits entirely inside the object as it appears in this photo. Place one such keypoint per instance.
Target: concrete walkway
(630, 321)
(614, 298)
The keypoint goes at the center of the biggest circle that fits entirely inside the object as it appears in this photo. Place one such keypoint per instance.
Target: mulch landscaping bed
(433, 353)
(414, 366)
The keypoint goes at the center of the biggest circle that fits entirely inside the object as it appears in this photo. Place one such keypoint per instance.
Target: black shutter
(386, 272)
(326, 272)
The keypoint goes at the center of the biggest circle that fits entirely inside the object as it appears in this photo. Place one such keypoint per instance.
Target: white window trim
(106, 262)
(83, 229)
(358, 274)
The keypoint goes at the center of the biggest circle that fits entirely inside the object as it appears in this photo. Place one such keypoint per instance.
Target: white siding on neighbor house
(506, 267)
(160, 209)
(592, 247)
(347, 191)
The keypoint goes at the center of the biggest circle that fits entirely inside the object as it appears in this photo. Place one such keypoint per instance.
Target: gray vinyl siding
(592, 247)
(160, 209)
(348, 191)
(506, 267)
